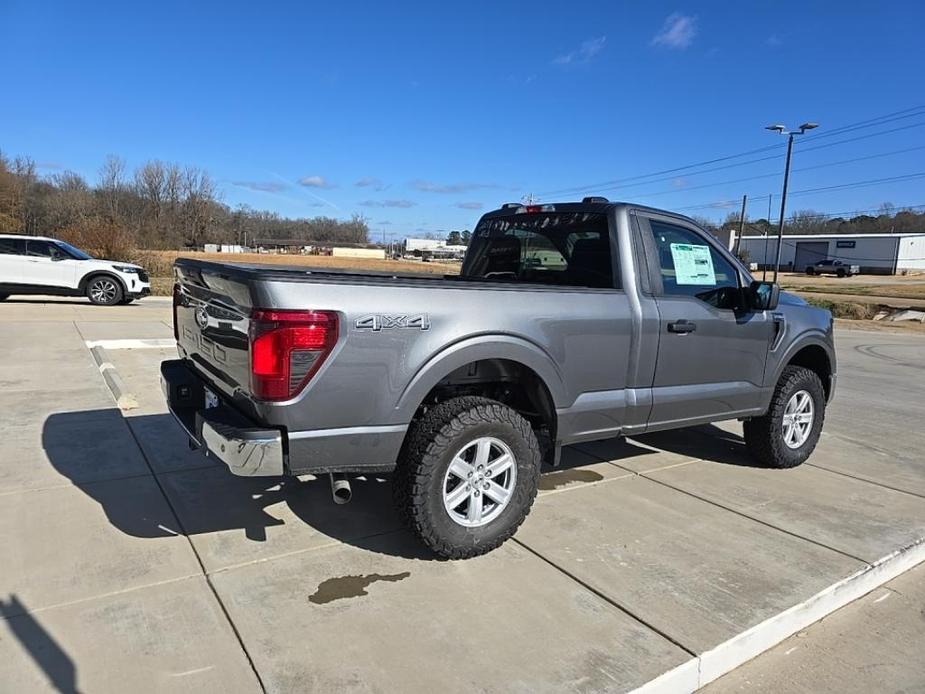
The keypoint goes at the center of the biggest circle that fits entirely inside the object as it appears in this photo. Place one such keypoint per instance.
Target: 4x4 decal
(382, 321)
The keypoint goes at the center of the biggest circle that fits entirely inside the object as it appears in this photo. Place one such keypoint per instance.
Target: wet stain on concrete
(344, 587)
(563, 478)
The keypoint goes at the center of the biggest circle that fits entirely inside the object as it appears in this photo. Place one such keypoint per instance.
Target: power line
(872, 122)
(720, 204)
(777, 173)
(598, 186)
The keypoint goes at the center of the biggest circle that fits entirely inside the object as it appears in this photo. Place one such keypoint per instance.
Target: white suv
(40, 265)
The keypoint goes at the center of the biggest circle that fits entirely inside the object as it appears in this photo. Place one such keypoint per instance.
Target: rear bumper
(221, 431)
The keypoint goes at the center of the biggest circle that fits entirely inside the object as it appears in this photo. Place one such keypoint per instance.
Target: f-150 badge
(382, 321)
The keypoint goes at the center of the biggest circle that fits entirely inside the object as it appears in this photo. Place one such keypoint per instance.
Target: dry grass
(159, 264)
(895, 291)
(845, 309)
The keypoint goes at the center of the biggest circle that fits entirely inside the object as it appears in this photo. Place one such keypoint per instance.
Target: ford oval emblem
(202, 317)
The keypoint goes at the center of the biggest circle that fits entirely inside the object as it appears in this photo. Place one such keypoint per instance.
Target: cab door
(711, 350)
(46, 265)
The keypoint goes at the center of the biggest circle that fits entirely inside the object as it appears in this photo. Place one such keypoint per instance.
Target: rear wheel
(786, 436)
(810, 271)
(104, 291)
(840, 272)
(467, 476)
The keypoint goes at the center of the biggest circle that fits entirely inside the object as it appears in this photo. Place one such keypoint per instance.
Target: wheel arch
(503, 368)
(815, 355)
(93, 274)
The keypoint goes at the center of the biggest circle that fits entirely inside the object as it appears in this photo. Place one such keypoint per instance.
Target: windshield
(75, 253)
(570, 248)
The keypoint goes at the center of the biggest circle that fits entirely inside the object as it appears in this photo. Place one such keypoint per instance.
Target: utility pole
(741, 227)
(783, 199)
(764, 263)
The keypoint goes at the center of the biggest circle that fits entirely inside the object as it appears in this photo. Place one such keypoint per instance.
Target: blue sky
(420, 116)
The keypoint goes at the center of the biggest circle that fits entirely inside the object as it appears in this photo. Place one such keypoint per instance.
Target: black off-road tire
(840, 272)
(764, 436)
(810, 271)
(429, 447)
(116, 297)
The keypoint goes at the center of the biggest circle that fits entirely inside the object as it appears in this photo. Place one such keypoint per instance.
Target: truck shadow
(705, 442)
(189, 494)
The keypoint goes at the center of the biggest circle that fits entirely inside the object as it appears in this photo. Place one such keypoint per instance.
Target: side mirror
(763, 296)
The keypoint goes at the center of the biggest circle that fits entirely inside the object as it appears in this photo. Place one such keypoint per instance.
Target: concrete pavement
(872, 645)
(640, 558)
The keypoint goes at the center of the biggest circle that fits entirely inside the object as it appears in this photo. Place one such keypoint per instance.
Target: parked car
(41, 265)
(833, 267)
(633, 320)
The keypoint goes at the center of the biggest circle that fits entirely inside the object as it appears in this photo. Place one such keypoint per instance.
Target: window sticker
(693, 264)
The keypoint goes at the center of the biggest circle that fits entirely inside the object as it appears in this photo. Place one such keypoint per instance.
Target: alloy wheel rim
(479, 482)
(103, 291)
(798, 419)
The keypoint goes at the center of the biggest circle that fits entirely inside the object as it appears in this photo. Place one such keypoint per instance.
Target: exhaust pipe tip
(340, 489)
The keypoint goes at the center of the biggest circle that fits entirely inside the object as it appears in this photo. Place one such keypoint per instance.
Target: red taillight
(287, 349)
(533, 209)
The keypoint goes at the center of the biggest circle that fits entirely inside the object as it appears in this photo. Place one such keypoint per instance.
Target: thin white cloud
(430, 187)
(469, 205)
(583, 54)
(262, 186)
(315, 182)
(677, 32)
(387, 203)
(371, 182)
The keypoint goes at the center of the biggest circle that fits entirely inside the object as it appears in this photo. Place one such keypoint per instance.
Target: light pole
(782, 129)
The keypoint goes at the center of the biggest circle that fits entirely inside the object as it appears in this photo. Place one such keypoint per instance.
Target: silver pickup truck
(568, 322)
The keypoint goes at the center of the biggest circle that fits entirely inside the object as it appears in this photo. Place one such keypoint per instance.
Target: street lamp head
(778, 127)
(808, 126)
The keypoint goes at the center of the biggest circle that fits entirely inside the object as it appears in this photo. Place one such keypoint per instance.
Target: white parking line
(147, 343)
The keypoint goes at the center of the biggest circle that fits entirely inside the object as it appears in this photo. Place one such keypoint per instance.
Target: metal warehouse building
(882, 254)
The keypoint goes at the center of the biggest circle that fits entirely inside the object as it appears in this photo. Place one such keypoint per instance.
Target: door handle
(682, 327)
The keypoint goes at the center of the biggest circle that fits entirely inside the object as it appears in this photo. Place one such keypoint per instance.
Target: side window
(689, 266)
(12, 246)
(43, 249)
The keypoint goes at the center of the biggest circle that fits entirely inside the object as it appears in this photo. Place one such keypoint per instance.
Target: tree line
(888, 219)
(158, 205)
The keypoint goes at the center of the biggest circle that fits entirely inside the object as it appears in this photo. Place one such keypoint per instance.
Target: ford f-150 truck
(568, 322)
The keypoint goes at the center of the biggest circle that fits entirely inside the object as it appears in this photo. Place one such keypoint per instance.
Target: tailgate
(211, 321)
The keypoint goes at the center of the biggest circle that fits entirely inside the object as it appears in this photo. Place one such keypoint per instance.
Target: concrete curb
(124, 399)
(712, 664)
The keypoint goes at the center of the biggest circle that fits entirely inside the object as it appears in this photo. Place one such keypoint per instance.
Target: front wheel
(810, 271)
(467, 476)
(104, 291)
(786, 436)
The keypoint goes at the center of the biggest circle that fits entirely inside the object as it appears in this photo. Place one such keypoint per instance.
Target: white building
(882, 254)
(412, 245)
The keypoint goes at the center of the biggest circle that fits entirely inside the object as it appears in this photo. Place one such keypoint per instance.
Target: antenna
(529, 199)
